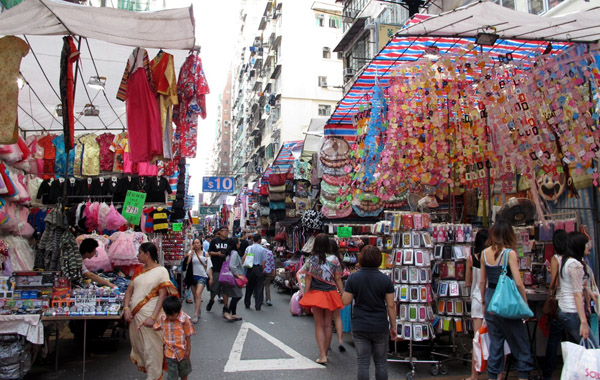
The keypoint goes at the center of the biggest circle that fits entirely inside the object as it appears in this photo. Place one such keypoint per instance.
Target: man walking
(256, 277)
(218, 253)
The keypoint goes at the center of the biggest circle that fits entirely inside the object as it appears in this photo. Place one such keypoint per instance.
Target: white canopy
(466, 22)
(166, 29)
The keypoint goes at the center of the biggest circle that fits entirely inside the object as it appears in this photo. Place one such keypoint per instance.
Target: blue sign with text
(218, 184)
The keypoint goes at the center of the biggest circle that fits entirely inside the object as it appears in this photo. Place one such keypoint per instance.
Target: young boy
(177, 330)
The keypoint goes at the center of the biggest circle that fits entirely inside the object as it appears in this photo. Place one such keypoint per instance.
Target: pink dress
(143, 116)
(124, 248)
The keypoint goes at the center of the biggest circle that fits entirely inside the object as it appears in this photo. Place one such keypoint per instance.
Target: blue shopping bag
(346, 314)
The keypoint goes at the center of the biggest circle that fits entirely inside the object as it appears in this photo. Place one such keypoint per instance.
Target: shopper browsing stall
(87, 248)
(501, 242)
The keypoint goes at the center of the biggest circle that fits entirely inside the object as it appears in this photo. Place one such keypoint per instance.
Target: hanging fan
(517, 211)
(413, 201)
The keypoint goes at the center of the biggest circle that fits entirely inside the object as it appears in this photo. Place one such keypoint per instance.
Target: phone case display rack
(410, 247)
(453, 244)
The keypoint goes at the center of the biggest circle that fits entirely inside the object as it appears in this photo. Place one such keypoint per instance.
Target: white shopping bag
(481, 348)
(580, 362)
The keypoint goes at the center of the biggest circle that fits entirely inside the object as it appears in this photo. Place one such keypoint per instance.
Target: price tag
(177, 227)
(344, 232)
(133, 206)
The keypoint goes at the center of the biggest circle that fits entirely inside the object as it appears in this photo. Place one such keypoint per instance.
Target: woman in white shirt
(472, 280)
(198, 258)
(571, 307)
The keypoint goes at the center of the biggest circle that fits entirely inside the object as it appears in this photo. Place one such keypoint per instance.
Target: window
(340, 55)
(320, 19)
(322, 81)
(511, 3)
(324, 110)
(335, 22)
(536, 6)
(326, 52)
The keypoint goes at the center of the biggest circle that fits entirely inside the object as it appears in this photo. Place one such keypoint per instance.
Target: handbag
(277, 179)
(264, 189)
(225, 276)
(276, 189)
(551, 304)
(241, 282)
(249, 260)
(581, 361)
(189, 272)
(507, 301)
(289, 186)
(277, 197)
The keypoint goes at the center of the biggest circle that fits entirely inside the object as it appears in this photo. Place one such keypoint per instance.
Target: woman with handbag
(500, 256)
(323, 287)
(559, 242)
(337, 315)
(472, 282)
(196, 262)
(233, 267)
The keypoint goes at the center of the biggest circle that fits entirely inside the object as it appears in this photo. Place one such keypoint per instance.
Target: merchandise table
(84, 318)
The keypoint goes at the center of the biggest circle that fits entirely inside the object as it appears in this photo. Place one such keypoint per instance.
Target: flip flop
(324, 362)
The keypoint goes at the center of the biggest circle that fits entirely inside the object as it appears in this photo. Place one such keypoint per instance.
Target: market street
(214, 341)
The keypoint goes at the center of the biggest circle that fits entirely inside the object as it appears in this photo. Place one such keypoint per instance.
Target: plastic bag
(481, 353)
(579, 361)
(295, 308)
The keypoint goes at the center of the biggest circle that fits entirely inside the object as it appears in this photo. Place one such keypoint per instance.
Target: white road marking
(236, 364)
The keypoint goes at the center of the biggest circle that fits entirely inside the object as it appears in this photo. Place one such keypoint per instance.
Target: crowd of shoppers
(148, 302)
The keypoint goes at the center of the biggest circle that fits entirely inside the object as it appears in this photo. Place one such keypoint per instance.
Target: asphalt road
(268, 344)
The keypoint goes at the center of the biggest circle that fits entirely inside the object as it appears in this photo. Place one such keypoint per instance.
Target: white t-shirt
(197, 261)
(569, 282)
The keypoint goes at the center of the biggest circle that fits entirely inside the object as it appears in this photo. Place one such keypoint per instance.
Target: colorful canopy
(452, 34)
(284, 162)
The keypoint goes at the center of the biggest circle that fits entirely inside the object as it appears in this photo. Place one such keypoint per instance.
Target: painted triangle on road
(236, 364)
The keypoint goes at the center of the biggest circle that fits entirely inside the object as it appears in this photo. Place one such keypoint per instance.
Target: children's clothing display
(101, 260)
(124, 247)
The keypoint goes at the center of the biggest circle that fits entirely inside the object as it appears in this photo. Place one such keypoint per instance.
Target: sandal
(322, 362)
(236, 317)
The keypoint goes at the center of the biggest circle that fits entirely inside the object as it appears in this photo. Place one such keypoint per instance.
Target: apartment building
(369, 24)
(286, 74)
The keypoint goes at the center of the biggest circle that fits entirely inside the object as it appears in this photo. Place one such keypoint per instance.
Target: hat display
(335, 149)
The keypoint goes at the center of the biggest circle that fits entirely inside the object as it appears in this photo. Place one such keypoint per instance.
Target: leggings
(233, 304)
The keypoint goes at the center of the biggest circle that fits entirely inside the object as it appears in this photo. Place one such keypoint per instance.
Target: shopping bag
(249, 260)
(225, 276)
(295, 308)
(580, 362)
(481, 343)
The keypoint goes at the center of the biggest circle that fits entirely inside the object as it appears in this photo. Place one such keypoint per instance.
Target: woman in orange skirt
(323, 291)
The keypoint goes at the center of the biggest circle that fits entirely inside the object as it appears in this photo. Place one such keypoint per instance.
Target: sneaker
(195, 319)
(210, 305)
(268, 303)
(220, 299)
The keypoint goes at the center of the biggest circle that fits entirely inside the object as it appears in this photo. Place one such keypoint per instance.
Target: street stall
(475, 112)
(83, 168)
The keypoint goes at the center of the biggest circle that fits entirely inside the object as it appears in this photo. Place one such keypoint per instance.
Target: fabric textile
(68, 57)
(90, 161)
(12, 50)
(178, 369)
(329, 300)
(143, 118)
(369, 287)
(60, 161)
(163, 75)
(192, 88)
(218, 245)
(107, 156)
(160, 217)
(375, 345)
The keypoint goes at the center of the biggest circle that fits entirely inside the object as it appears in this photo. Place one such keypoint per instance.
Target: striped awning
(452, 34)
(284, 162)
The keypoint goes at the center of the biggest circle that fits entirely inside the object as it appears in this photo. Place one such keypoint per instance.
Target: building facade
(286, 74)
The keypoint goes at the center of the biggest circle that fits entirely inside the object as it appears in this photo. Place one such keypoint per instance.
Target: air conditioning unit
(322, 81)
(348, 72)
(370, 23)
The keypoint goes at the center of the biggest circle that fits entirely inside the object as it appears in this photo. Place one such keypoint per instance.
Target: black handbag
(188, 280)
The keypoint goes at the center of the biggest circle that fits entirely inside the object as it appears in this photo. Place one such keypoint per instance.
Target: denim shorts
(200, 280)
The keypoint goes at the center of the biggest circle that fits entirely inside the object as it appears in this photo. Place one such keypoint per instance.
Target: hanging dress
(143, 118)
(163, 75)
(12, 50)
